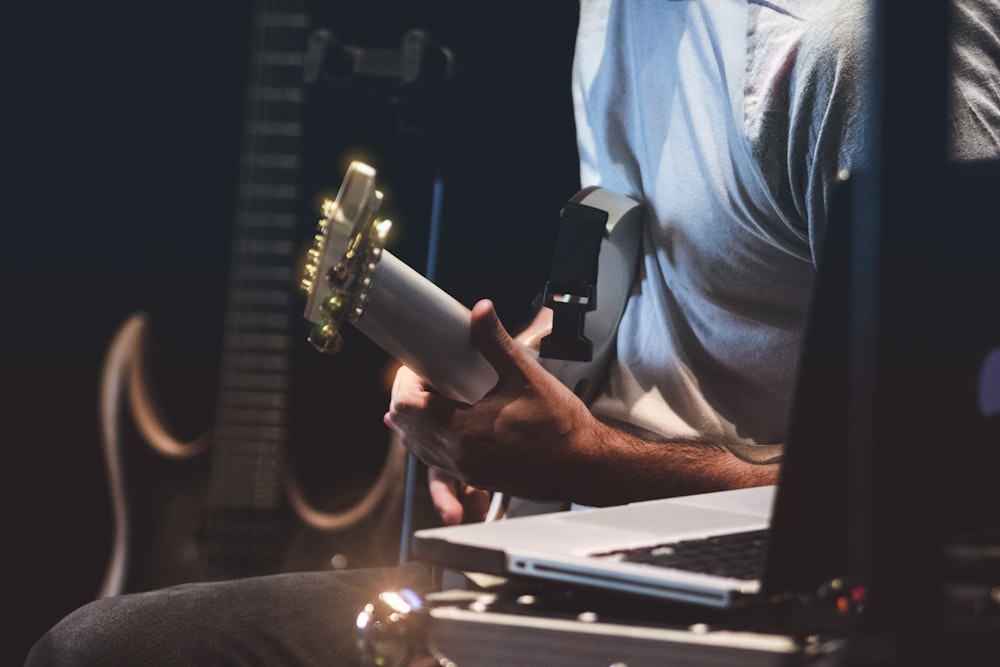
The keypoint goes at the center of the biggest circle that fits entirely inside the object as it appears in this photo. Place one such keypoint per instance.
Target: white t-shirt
(730, 120)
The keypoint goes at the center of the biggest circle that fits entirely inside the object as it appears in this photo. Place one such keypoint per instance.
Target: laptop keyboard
(736, 555)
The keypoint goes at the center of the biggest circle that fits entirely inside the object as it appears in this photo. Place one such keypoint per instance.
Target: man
(707, 113)
(729, 120)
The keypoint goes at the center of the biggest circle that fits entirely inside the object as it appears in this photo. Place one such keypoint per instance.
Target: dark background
(121, 128)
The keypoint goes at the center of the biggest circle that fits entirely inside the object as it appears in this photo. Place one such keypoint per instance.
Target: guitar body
(166, 505)
(175, 536)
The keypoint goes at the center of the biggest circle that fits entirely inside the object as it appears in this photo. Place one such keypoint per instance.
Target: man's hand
(456, 501)
(514, 439)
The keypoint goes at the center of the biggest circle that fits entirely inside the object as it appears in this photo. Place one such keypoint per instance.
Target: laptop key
(737, 555)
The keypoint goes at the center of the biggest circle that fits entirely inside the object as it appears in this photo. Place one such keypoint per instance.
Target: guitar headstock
(347, 246)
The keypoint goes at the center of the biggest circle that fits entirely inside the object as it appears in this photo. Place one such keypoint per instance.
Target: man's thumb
(491, 338)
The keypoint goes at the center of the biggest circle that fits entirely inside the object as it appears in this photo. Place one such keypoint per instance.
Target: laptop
(787, 537)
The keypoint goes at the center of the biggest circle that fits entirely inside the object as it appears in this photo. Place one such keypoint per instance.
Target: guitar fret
(258, 460)
(260, 297)
(273, 160)
(289, 94)
(219, 502)
(266, 223)
(268, 205)
(271, 143)
(239, 452)
(258, 219)
(269, 191)
(242, 467)
(274, 129)
(254, 399)
(253, 381)
(251, 433)
(241, 493)
(255, 416)
(248, 341)
(280, 227)
(267, 496)
(259, 247)
(273, 502)
(241, 449)
(256, 362)
(276, 321)
(265, 491)
(223, 499)
(278, 274)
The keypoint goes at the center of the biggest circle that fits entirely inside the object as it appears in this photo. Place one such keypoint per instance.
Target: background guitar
(122, 134)
(218, 506)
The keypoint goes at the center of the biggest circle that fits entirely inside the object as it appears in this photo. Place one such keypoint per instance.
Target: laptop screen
(807, 540)
(812, 532)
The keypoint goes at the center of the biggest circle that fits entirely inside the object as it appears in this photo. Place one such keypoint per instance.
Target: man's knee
(87, 636)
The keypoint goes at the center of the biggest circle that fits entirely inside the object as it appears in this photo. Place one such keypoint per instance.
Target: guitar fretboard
(251, 429)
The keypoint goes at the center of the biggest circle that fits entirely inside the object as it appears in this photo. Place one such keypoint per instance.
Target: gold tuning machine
(343, 256)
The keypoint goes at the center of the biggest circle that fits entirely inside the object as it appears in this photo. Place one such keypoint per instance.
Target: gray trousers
(286, 619)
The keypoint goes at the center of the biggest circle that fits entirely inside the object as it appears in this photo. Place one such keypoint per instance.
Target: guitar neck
(251, 432)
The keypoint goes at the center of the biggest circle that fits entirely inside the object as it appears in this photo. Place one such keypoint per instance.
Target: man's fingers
(455, 500)
(443, 490)
(477, 503)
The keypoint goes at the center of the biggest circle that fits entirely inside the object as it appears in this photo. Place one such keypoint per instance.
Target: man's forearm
(621, 467)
